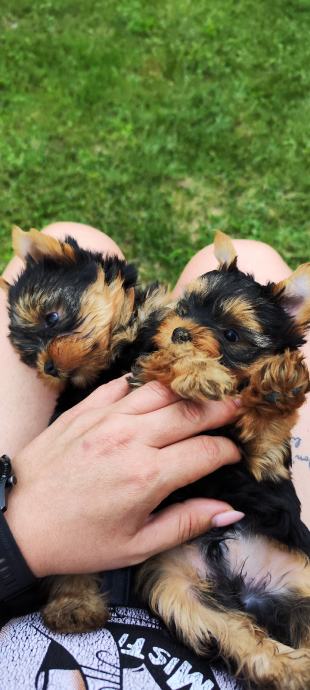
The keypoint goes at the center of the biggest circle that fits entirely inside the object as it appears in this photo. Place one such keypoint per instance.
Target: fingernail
(227, 518)
(237, 402)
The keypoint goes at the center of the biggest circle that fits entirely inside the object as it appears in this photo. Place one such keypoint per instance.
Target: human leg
(253, 257)
(266, 264)
(27, 402)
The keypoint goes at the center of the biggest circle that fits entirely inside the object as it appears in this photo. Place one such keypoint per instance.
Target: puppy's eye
(51, 318)
(231, 335)
(182, 309)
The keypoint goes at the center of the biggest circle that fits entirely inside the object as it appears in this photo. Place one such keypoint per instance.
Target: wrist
(21, 527)
(15, 575)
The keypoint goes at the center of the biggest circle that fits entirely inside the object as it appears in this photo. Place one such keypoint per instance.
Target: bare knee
(86, 236)
(262, 260)
(254, 257)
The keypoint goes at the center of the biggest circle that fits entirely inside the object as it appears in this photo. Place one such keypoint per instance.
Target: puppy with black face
(244, 589)
(227, 335)
(79, 319)
(76, 316)
(65, 305)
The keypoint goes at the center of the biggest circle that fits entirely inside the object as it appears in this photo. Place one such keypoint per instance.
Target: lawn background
(157, 122)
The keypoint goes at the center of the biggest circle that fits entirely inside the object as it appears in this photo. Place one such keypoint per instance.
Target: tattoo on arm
(302, 458)
(297, 457)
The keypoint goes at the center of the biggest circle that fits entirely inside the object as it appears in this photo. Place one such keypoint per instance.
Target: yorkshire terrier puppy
(75, 314)
(242, 590)
(79, 319)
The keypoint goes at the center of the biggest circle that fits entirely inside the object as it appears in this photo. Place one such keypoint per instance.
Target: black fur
(58, 282)
(123, 363)
(272, 509)
(284, 614)
(206, 308)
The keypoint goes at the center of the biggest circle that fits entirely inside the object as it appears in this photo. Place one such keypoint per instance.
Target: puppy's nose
(181, 335)
(49, 368)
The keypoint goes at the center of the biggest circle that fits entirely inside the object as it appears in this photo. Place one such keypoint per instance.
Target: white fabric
(132, 653)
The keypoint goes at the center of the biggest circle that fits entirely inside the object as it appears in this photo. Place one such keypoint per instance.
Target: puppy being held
(242, 591)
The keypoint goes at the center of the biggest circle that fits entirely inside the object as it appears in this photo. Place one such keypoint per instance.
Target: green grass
(157, 122)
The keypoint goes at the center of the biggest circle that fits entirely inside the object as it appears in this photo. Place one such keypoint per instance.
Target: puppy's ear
(224, 251)
(4, 285)
(37, 245)
(296, 294)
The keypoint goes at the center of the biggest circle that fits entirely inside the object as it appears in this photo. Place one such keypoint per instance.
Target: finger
(181, 522)
(184, 419)
(102, 397)
(91, 411)
(187, 461)
(152, 396)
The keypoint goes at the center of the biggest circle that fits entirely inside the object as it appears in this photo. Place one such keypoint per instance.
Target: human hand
(88, 485)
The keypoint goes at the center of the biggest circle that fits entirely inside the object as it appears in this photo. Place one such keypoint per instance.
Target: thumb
(184, 521)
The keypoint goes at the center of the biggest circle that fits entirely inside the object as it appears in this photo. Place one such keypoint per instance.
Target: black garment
(19, 588)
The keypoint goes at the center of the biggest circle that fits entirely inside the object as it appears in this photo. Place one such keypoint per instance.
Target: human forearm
(301, 461)
(301, 452)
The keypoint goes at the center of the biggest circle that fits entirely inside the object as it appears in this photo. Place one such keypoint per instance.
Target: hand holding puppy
(88, 485)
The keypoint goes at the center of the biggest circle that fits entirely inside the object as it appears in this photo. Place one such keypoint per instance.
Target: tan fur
(242, 312)
(265, 428)
(297, 288)
(284, 570)
(286, 375)
(177, 593)
(198, 286)
(4, 285)
(37, 245)
(88, 350)
(224, 250)
(191, 369)
(195, 378)
(266, 461)
(259, 556)
(29, 308)
(75, 604)
(159, 299)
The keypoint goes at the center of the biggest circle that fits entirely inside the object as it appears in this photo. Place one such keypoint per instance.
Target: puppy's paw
(189, 375)
(279, 383)
(293, 672)
(157, 366)
(202, 380)
(70, 615)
